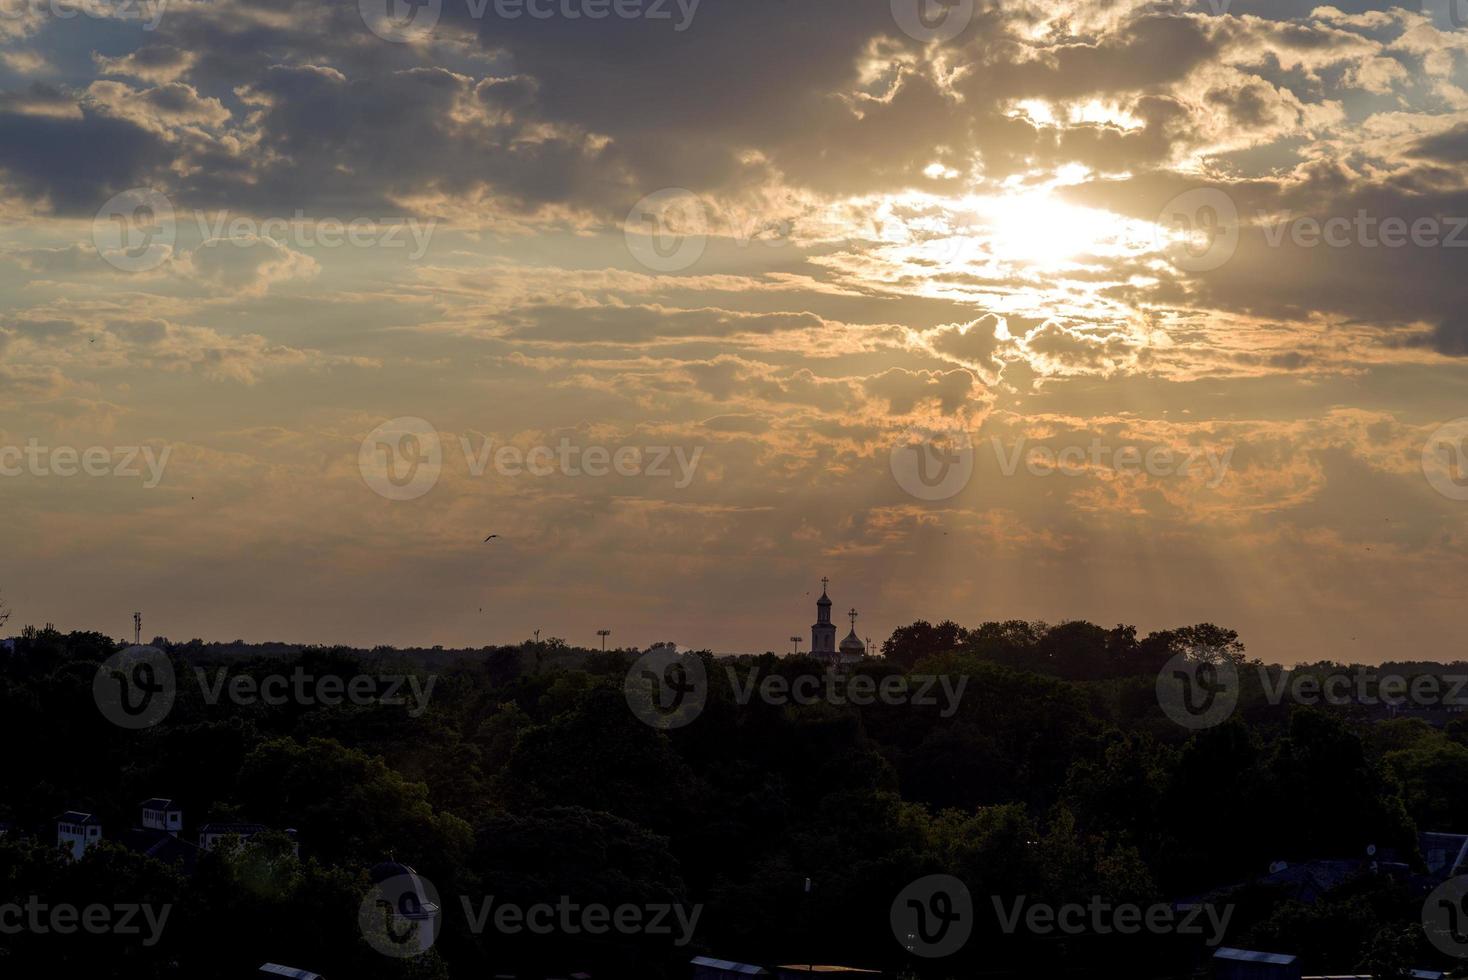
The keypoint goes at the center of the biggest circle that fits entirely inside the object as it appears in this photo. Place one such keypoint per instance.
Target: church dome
(824, 600)
(853, 644)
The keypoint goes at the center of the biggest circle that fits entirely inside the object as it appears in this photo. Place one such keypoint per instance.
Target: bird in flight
(491, 536)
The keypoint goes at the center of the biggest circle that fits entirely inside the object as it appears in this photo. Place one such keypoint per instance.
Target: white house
(162, 815)
(212, 833)
(77, 831)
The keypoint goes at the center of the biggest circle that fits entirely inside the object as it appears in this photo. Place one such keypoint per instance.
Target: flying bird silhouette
(491, 536)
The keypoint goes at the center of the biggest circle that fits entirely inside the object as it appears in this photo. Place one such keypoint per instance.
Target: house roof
(76, 816)
(233, 828)
(276, 970)
(156, 804)
(729, 966)
(161, 846)
(1252, 956)
(1452, 847)
(1309, 880)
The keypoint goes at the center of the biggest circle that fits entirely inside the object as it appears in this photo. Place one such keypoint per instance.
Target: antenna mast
(137, 629)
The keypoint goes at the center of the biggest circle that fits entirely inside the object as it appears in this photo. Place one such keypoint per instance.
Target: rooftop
(1252, 956)
(729, 966)
(76, 816)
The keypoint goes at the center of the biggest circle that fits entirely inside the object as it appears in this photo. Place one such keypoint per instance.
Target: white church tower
(823, 633)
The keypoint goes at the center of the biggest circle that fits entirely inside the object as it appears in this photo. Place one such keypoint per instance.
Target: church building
(823, 635)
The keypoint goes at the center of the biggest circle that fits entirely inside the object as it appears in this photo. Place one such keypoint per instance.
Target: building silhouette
(823, 635)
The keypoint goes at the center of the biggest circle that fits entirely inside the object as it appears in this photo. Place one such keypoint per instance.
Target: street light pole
(603, 634)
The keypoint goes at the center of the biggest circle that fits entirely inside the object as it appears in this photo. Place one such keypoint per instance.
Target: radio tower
(137, 629)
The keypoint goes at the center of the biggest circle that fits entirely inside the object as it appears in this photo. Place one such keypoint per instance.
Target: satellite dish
(1277, 867)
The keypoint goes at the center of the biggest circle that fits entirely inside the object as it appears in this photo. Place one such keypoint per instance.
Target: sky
(1146, 313)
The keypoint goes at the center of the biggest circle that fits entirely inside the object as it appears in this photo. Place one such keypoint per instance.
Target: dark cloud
(61, 161)
(1450, 147)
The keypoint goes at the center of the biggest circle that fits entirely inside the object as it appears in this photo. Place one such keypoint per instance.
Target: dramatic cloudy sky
(806, 245)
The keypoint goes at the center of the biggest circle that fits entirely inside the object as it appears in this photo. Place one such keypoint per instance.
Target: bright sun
(1037, 229)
